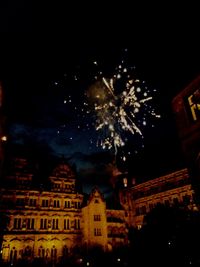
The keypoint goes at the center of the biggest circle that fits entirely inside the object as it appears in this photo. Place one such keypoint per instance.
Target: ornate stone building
(104, 225)
(53, 223)
(174, 189)
(58, 221)
(186, 107)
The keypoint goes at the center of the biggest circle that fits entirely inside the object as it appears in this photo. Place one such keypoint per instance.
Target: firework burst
(121, 107)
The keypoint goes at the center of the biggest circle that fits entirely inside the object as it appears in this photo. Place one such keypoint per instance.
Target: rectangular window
(55, 224)
(17, 223)
(97, 231)
(30, 224)
(97, 217)
(56, 203)
(45, 203)
(67, 204)
(43, 223)
(66, 224)
(76, 224)
(194, 105)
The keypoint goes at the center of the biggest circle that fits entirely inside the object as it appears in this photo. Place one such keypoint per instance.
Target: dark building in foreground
(186, 106)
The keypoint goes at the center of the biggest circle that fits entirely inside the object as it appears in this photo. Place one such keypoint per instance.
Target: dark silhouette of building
(3, 137)
(186, 106)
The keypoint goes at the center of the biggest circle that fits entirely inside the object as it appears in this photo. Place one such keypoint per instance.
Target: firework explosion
(121, 107)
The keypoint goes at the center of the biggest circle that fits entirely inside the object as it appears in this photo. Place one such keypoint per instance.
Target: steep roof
(63, 170)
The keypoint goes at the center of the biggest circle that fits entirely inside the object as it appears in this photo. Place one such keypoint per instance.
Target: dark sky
(43, 47)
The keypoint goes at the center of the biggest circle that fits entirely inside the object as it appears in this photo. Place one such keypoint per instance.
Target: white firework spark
(117, 113)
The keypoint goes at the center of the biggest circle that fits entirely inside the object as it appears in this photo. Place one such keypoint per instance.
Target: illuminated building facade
(104, 225)
(173, 189)
(57, 222)
(54, 223)
(186, 106)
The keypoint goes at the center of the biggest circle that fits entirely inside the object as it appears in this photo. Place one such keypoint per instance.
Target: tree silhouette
(170, 236)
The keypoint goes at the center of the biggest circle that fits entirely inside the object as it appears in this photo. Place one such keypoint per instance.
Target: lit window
(45, 203)
(194, 104)
(55, 224)
(17, 223)
(43, 223)
(125, 182)
(66, 224)
(97, 218)
(67, 204)
(97, 231)
(30, 223)
(76, 224)
(56, 203)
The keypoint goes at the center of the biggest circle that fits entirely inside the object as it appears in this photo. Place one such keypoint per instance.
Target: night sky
(50, 56)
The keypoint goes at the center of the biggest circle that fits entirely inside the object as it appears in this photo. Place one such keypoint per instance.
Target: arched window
(27, 252)
(41, 252)
(65, 251)
(47, 253)
(53, 253)
(13, 255)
